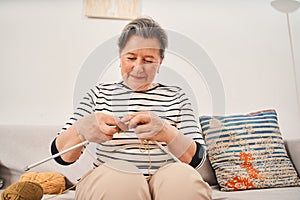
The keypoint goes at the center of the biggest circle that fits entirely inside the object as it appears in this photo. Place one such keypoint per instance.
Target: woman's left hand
(149, 126)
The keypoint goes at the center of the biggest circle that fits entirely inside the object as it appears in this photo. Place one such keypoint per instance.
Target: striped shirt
(168, 102)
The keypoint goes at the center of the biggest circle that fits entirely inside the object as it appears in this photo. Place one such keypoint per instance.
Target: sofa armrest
(23, 145)
(293, 150)
(207, 173)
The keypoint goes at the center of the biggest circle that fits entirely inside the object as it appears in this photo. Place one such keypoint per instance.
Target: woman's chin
(138, 86)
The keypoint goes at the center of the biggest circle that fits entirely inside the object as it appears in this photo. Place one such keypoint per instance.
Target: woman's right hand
(98, 127)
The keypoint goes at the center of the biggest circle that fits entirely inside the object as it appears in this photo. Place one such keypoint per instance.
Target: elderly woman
(134, 122)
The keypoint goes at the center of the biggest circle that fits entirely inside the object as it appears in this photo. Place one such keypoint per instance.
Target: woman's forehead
(136, 44)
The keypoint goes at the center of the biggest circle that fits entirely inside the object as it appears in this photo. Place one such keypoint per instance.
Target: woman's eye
(130, 58)
(148, 61)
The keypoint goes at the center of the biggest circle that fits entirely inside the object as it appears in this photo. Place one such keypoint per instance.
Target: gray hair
(146, 28)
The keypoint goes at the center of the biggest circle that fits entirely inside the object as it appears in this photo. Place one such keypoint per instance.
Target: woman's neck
(142, 88)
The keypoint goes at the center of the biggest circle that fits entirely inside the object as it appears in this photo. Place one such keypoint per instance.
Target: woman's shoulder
(171, 88)
(107, 85)
(104, 88)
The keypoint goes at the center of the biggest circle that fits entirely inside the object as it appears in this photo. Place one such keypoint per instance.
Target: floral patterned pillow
(247, 151)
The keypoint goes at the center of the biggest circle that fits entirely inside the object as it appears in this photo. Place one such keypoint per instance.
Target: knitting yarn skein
(51, 182)
(24, 190)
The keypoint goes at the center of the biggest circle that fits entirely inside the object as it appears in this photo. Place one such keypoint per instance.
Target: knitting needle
(166, 151)
(158, 144)
(56, 155)
(83, 144)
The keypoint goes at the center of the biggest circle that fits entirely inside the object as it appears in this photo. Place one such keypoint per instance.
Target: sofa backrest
(22, 145)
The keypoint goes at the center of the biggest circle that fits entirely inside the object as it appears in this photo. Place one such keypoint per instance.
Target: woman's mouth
(137, 77)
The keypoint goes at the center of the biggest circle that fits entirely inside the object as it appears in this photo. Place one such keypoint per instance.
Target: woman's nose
(138, 62)
(138, 65)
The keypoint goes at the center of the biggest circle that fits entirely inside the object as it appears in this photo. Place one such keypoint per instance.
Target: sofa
(23, 145)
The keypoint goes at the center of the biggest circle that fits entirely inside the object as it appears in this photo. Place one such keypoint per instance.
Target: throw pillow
(247, 151)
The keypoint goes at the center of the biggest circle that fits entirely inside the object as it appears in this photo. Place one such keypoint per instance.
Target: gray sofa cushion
(207, 173)
(287, 193)
(292, 147)
(25, 145)
(1, 183)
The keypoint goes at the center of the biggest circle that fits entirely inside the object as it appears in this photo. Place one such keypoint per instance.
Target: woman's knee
(178, 171)
(179, 180)
(108, 183)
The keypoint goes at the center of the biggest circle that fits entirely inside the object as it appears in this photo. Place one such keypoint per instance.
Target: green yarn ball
(23, 191)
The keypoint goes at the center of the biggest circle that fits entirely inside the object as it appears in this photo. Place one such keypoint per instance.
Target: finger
(100, 138)
(142, 128)
(121, 125)
(114, 123)
(111, 121)
(139, 119)
(127, 118)
(106, 119)
(145, 131)
(109, 130)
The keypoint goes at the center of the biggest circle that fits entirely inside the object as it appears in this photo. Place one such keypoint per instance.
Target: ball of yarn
(51, 182)
(23, 191)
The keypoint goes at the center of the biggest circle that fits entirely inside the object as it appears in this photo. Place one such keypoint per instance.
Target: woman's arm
(184, 147)
(67, 139)
(69, 136)
(184, 140)
(97, 127)
(149, 126)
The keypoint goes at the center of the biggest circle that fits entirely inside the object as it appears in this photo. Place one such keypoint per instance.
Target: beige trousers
(173, 181)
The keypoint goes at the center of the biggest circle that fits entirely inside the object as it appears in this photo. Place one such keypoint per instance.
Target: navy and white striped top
(168, 102)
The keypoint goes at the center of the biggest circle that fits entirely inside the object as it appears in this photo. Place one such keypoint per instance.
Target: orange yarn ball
(51, 182)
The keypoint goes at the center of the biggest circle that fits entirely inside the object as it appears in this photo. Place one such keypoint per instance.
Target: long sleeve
(188, 126)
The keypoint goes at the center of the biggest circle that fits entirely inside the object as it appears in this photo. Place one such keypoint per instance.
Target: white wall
(43, 45)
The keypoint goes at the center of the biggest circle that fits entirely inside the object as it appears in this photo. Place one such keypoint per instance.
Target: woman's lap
(173, 181)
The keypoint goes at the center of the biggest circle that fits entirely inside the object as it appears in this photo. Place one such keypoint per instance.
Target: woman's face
(140, 61)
